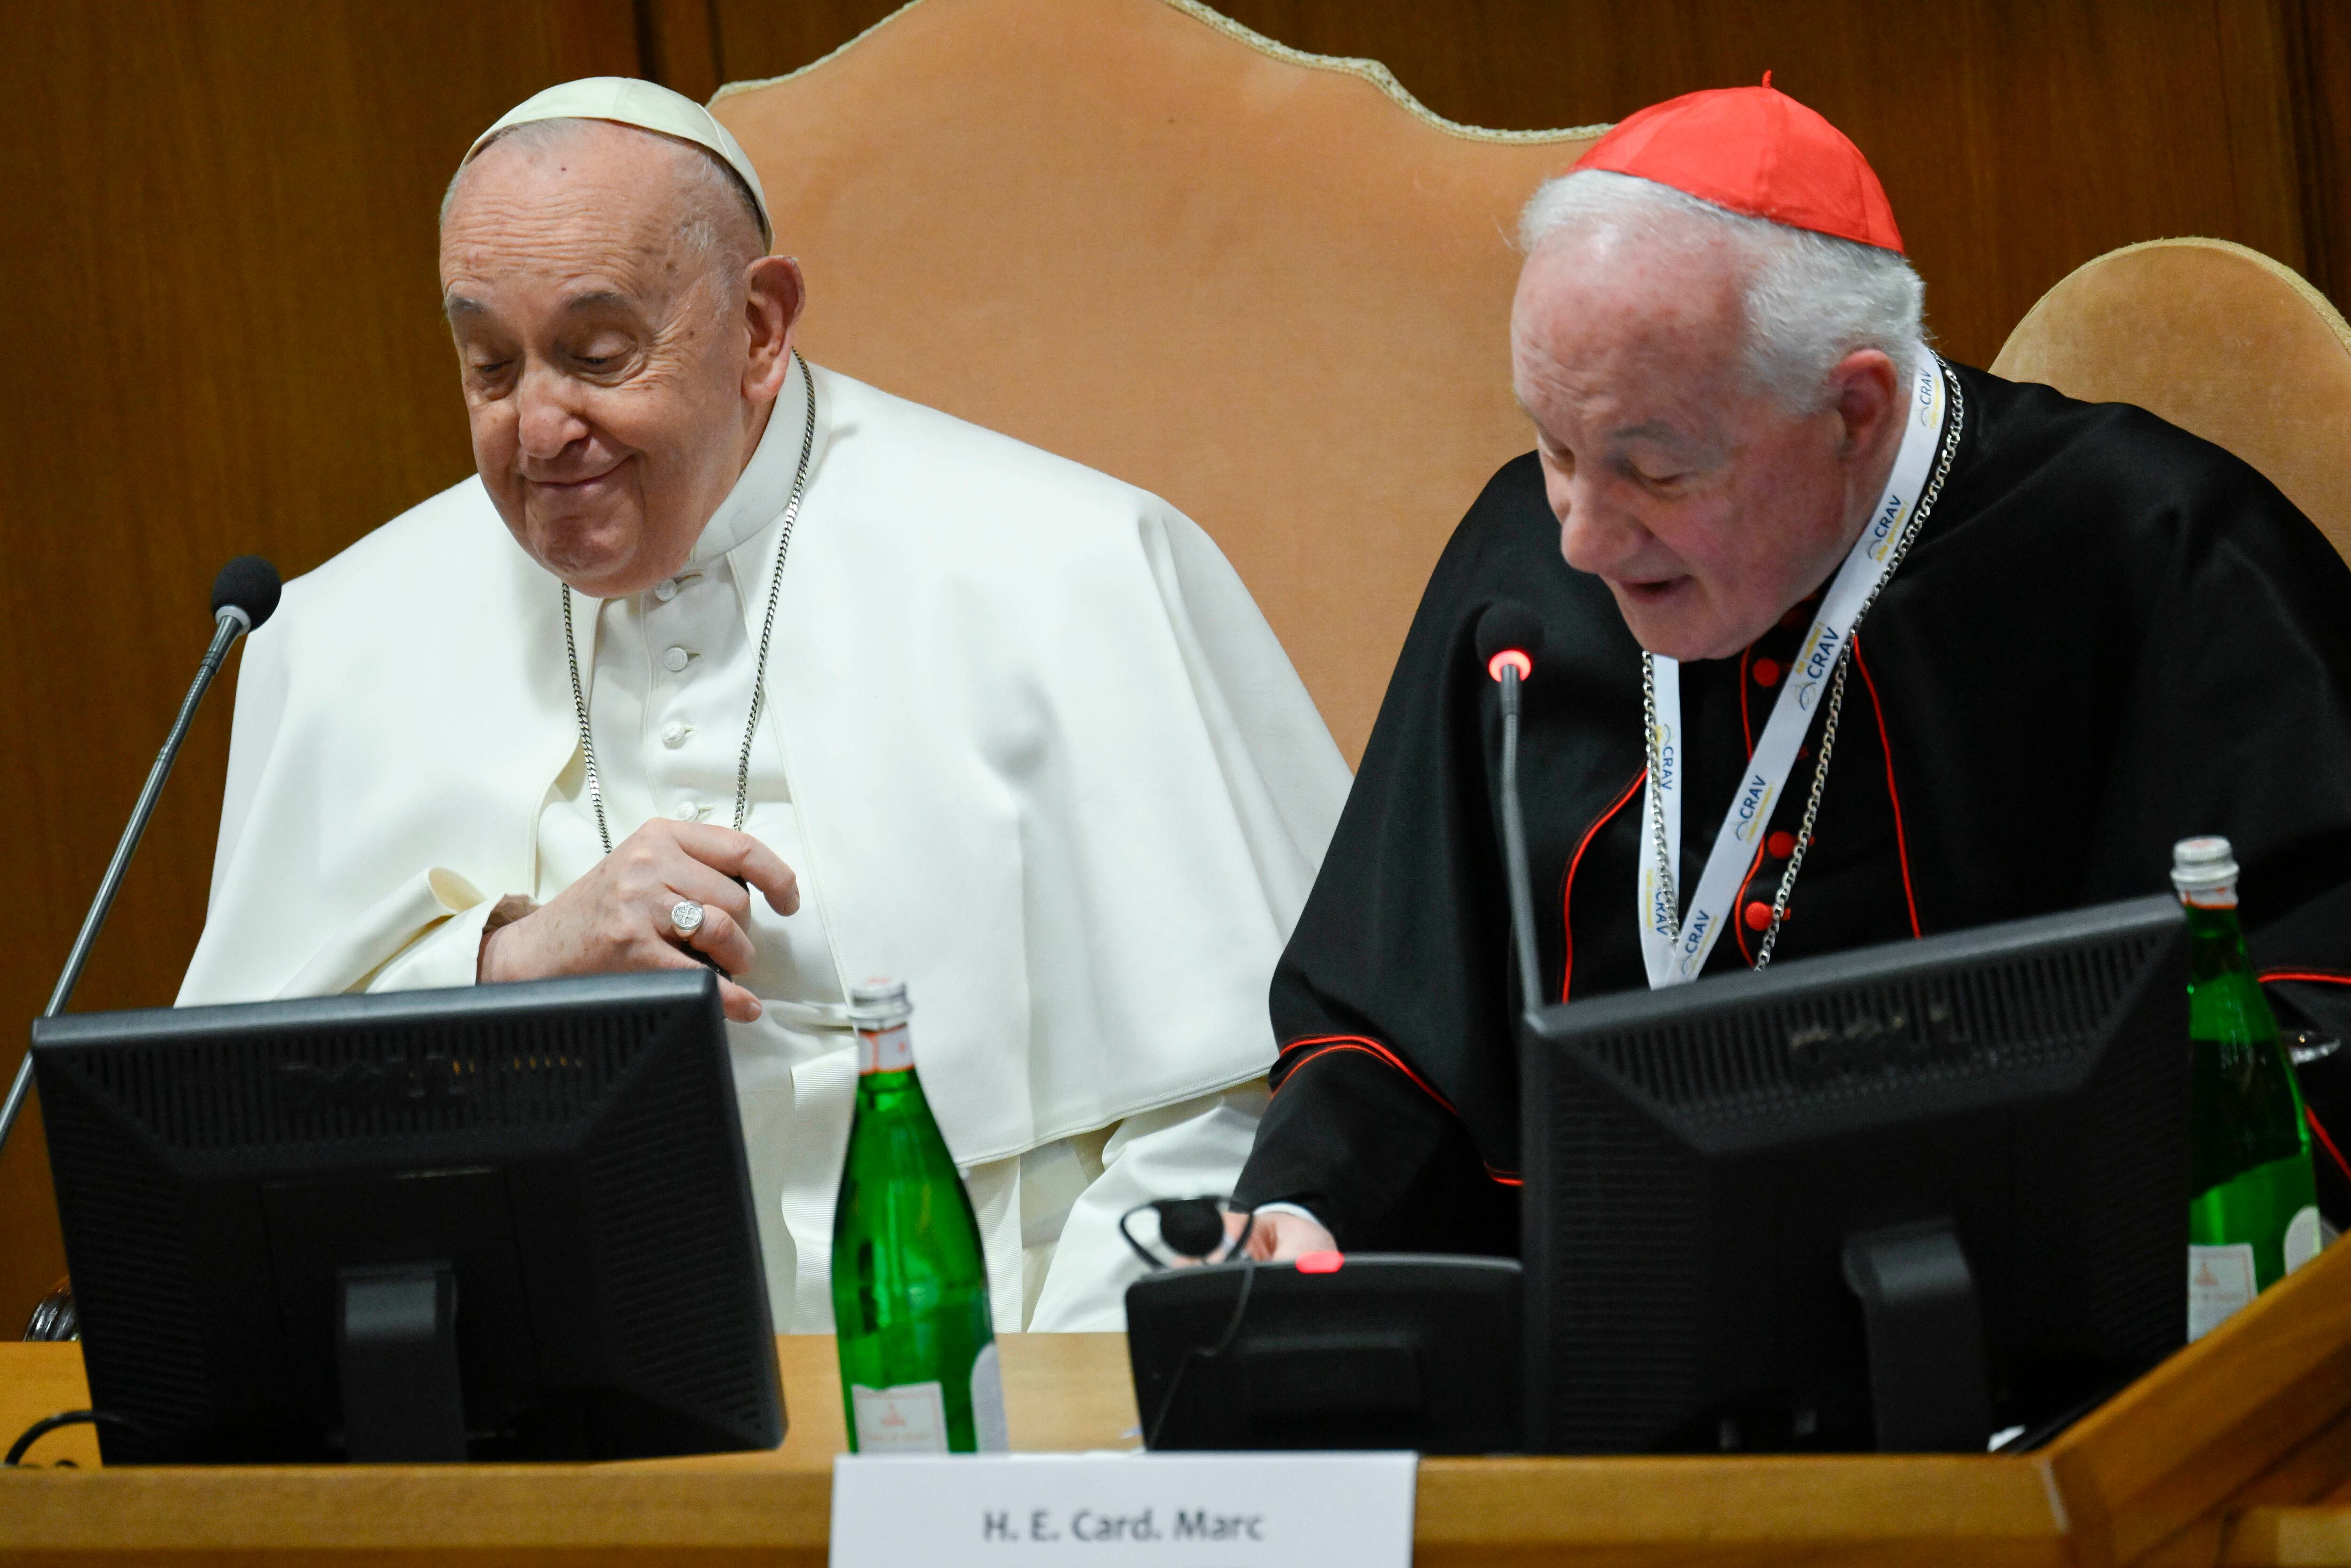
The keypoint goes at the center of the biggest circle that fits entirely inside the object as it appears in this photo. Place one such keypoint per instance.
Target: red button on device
(1319, 1262)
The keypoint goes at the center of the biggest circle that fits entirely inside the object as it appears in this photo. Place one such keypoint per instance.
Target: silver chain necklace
(1828, 720)
(766, 633)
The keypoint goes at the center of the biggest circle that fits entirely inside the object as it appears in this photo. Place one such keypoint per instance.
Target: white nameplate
(1201, 1510)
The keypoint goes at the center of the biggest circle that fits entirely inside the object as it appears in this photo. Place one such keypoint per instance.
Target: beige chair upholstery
(2217, 338)
(1267, 286)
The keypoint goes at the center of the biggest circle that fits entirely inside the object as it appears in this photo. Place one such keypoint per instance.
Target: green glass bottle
(918, 1367)
(2254, 1217)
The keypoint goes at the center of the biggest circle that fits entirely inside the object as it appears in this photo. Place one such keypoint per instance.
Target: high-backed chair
(1267, 286)
(2217, 338)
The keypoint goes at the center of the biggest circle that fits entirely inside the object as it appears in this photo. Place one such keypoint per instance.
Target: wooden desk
(2238, 1450)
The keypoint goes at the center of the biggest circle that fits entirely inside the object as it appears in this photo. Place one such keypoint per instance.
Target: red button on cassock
(1759, 915)
(1767, 671)
(1782, 844)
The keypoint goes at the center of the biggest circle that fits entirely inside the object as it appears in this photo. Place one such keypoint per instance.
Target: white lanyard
(1676, 950)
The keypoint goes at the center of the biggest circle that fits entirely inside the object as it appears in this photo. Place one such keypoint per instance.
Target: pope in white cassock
(954, 709)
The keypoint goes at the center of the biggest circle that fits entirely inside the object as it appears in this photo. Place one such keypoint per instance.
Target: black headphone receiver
(1191, 1228)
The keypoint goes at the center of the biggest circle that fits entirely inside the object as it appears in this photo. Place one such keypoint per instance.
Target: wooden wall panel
(2318, 53)
(678, 46)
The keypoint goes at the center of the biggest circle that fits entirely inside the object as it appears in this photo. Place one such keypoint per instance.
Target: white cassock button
(675, 659)
(686, 811)
(665, 590)
(673, 735)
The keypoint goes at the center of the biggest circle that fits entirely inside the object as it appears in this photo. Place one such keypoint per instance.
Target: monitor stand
(397, 1347)
(1928, 1383)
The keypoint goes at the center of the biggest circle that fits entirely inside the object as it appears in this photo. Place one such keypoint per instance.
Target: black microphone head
(1510, 627)
(1191, 1227)
(249, 585)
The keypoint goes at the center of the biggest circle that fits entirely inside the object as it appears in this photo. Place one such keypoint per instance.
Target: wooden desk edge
(1667, 1505)
(2127, 1465)
(2181, 1443)
(2287, 1537)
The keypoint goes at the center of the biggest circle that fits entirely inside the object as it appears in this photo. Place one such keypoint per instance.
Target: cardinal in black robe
(2106, 635)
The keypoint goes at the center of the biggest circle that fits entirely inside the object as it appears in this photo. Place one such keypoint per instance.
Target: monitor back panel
(571, 1148)
(1695, 1158)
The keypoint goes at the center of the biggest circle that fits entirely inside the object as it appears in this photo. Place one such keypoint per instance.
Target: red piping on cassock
(1567, 890)
(1901, 839)
(1373, 1048)
(1331, 1042)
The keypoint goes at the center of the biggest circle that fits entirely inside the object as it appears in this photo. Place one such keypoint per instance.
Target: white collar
(759, 496)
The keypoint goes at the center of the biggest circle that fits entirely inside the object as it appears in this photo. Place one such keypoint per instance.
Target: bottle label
(888, 1050)
(908, 1418)
(2219, 1280)
(2302, 1240)
(988, 1402)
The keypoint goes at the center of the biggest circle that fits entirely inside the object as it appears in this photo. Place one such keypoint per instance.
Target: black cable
(42, 1429)
(1149, 1260)
(1167, 1400)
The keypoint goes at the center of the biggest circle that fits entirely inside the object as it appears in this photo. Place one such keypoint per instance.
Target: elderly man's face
(1708, 508)
(617, 376)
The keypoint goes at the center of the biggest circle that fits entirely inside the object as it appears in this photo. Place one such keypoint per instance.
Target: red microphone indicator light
(1509, 636)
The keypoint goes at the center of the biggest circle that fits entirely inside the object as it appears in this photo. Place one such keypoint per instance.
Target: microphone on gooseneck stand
(243, 595)
(1509, 635)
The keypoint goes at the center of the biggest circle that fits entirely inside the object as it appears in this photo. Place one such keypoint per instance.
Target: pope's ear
(773, 293)
(1865, 391)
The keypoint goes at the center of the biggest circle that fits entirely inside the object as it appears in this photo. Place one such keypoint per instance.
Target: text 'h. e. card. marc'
(1150, 1510)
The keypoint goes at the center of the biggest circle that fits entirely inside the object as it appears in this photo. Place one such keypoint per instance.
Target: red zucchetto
(1753, 149)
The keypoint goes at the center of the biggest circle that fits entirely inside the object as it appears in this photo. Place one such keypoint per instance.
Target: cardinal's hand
(1279, 1236)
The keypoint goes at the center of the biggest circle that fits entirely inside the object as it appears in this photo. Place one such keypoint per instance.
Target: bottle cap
(2204, 870)
(878, 1003)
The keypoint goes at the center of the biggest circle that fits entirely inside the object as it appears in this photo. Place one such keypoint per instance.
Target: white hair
(1811, 299)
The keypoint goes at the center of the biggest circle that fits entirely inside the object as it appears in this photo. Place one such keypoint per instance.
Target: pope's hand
(1278, 1238)
(617, 917)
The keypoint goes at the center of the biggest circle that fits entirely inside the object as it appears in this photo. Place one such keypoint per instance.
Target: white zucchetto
(649, 106)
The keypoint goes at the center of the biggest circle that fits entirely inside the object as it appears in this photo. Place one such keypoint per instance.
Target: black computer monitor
(510, 1222)
(1900, 1198)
